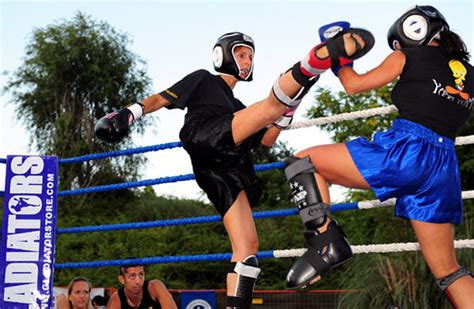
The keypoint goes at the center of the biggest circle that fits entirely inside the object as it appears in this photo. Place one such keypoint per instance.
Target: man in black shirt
(138, 293)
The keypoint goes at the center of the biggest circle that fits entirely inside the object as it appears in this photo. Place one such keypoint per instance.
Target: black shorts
(221, 168)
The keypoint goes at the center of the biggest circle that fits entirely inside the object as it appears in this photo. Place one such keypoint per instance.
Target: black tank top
(434, 90)
(146, 303)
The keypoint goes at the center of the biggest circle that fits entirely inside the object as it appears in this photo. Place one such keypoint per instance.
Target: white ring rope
(381, 248)
(463, 140)
(345, 116)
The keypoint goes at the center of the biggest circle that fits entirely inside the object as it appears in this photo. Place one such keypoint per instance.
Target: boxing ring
(295, 252)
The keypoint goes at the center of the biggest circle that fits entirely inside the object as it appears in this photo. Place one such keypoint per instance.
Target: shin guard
(247, 273)
(443, 283)
(326, 249)
(306, 82)
(305, 192)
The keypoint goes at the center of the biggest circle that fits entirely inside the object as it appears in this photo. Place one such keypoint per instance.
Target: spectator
(78, 295)
(139, 293)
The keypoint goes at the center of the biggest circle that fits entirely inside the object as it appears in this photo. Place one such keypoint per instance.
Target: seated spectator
(139, 293)
(78, 295)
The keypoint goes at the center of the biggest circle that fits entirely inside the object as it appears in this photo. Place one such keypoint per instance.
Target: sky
(175, 38)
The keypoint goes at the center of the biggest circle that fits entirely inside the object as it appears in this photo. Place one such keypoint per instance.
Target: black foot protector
(325, 250)
(443, 283)
(247, 273)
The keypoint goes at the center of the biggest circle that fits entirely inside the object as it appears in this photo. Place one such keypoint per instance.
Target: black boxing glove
(113, 127)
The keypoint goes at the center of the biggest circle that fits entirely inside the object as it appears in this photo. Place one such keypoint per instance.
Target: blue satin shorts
(417, 166)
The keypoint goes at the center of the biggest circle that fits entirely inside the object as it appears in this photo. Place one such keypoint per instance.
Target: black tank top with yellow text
(434, 90)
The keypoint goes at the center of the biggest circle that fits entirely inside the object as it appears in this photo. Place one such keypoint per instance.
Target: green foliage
(75, 72)
(329, 104)
(276, 193)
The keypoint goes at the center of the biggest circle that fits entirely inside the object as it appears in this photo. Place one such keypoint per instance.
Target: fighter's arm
(270, 136)
(154, 103)
(114, 302)
(381, 75)
(160, 293)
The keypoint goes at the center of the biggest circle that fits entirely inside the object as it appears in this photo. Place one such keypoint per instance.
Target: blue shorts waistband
(423, 132)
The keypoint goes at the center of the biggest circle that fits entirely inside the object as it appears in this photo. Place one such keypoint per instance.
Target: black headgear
(223, 54)
(418, 26)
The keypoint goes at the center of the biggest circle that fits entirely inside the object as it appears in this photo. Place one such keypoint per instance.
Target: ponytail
(453, 45)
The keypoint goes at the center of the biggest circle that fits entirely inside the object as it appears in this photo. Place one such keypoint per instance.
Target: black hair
(453, 45)
(99, 300)
(123, 269)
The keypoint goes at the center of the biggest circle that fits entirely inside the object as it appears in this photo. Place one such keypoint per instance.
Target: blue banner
(198, 300)
(28, 232)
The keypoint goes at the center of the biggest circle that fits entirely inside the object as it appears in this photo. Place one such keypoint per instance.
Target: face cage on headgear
(223, 54)
(418, 26)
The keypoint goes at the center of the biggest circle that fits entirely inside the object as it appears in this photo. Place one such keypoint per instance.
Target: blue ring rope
(156, 181)
(158, 260)
(189, 221)
(118, 153)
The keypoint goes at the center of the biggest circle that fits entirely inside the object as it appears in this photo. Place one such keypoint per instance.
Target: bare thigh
(334, 163)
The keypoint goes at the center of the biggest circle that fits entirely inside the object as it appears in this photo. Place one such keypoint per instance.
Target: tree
(75, 72)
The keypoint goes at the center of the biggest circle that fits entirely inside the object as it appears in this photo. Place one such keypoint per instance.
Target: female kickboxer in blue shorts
(415, 161)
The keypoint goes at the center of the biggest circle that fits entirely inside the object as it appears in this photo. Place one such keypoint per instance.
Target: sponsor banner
(198, 300)
(28, 232)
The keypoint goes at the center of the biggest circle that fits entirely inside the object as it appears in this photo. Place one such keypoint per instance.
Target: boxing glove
(113, 127)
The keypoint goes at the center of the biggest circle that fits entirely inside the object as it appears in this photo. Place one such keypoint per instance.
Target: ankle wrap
(247, 273)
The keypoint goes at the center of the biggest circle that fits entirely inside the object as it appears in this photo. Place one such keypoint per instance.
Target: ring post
(28, 232)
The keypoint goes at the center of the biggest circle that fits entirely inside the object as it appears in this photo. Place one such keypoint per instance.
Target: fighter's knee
(245, 249)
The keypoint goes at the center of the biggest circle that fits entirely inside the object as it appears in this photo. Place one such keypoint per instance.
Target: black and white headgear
(418, 26)
(223, 54)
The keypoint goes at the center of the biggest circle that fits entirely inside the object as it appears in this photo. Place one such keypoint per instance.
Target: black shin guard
(326, 249)
(305, 192)
(443, 283)
(247, 272)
